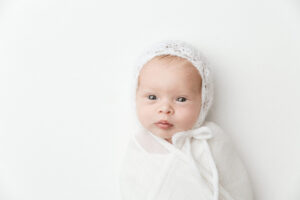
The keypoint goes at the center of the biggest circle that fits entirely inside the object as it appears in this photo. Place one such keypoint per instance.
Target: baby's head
(170, 90)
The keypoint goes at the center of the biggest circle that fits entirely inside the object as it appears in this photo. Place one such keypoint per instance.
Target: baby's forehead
(168, 59)
(169, 62)
(178, 70)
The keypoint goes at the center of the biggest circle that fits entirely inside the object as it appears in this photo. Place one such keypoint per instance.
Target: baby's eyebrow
(189, 91)
(180, 93)
(148, 91)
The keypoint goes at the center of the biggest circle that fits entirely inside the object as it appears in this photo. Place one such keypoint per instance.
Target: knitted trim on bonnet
(183, 50)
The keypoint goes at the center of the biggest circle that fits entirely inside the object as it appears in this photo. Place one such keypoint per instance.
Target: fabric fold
(201, 133)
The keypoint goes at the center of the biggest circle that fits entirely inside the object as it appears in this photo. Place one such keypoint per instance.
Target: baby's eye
(151, 97)
(181, 99)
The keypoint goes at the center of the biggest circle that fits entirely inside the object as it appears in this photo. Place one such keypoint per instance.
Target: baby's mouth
(163, 124)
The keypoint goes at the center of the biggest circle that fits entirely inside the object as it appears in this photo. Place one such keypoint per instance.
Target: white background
(65, 68)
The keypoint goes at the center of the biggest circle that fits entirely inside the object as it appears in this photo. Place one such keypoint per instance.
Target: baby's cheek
(145, 114)
(188, 116)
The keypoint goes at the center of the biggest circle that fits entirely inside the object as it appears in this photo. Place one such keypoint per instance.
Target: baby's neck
(169, 140)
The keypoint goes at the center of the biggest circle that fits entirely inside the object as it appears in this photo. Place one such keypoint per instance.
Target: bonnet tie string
(204, 133)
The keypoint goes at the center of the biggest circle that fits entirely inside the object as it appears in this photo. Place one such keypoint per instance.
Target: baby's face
(169, 91)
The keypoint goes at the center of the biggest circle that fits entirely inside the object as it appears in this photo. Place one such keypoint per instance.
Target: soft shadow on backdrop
(65, 69)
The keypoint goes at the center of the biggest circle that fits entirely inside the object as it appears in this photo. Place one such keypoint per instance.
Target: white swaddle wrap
(200, 164)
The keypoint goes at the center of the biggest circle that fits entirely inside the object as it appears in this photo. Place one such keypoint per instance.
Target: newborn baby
(175, 154)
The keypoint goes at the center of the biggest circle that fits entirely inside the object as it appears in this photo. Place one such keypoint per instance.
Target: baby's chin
(164, 134)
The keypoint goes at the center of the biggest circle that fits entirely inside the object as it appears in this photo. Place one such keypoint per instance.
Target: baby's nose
(166, 108)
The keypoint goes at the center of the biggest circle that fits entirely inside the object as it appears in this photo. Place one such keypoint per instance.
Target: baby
(175, 154)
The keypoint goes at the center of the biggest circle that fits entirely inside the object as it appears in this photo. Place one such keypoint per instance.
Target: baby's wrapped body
(200, 165)
(175, 154)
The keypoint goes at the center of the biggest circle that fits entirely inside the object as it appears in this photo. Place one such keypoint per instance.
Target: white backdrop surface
(65, 69)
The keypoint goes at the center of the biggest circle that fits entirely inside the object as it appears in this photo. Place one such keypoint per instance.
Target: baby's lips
(164, 122)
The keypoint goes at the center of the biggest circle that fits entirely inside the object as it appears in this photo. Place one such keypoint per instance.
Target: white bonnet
(183, 50)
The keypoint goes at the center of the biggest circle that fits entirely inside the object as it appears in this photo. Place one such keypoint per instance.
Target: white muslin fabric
(200, 164)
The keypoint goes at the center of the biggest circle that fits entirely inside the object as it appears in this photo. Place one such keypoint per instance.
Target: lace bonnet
(183, 50)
